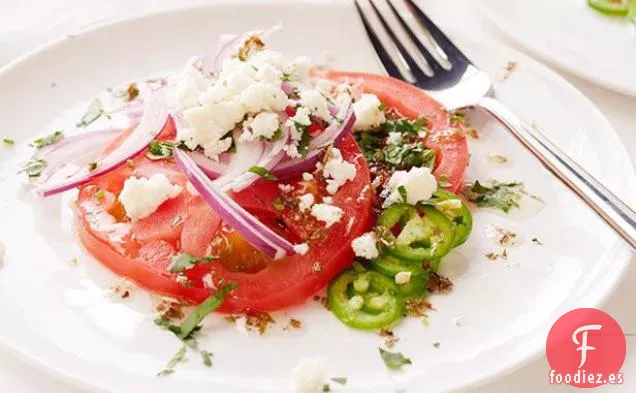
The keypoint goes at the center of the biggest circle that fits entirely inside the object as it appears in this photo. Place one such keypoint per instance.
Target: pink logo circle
(586, 348)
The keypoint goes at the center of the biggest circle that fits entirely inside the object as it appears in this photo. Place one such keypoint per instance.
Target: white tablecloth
(25, 24)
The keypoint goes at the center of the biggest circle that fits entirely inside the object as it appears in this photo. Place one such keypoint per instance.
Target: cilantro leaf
(185, 261)
(340, 380)
(8, 142)
(34, 168)
(159, 150)
(95, 111)
(405, 126)
(172, 363)
(303, 143)
(408, 155)
(210, 304)
(48, 140)
(263, 172)
(394, 360)
(503, 196)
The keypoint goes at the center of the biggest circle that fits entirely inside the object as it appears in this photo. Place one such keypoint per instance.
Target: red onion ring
(254, 231)
(152, 122)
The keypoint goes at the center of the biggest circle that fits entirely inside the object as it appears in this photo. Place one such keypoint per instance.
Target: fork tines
(410, 46)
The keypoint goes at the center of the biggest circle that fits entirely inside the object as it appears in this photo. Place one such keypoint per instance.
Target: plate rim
(611, 282)
(535, 49)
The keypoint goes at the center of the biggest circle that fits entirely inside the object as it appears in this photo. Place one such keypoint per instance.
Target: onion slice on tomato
(290, 168)
(152, 122)
(254, 231)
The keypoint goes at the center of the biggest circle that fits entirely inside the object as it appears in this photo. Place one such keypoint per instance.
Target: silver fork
(412, 48)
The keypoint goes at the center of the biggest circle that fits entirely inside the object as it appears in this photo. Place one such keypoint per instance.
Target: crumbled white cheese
(309, 375)
(402, 278)
(365, 246)
(207, 280)
(328, 200)
(301, 116)
(305, 202)
(308, 176)
(269, 74)
(301, 248)
(418, 182)
(298, 69)
(285, 187)
(213, 148)
(394, 138)
(337, 171)
(142, 196)
(316, 103)
(264, 125)
(193, 191)
(263, 97)
(368, 113)
(327, 213)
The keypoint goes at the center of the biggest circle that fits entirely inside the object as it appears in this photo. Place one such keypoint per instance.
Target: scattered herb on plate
(503, 196)
(340, 380)
(394, 360)
(33, 168)
(185, 261)
(95, 111)
(159, 150)
(8, 142)
(48, 140)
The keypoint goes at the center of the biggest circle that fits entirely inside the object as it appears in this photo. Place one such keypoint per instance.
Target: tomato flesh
(143, 250)
(413, 103)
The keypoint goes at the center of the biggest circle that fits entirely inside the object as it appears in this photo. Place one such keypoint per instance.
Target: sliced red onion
(227, 43)
(73, 152)
(290, 168)
(152, 122)
(254, 231)
(230, 165)
(134, 110)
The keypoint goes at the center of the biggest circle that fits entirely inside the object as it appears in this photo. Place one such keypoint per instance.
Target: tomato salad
(249, 170)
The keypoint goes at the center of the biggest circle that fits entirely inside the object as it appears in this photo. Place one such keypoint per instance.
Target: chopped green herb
(159, 150)
(340, 380)
(176, 359)
(278, 135)
(8, 142)
(503, 196)
(303, 143)
(279, 204)
(436, 344)
(408, 155)
(405, 126)
(100, 194)
(33, 168)
(458, 119)
(382, 107)
(287, 77)
(184, 261)
(326, 387)
(202, 310)
(394, 360)
(206, 357)
(262, 172)
(92, 166)
(48, 140)
(537, 241)
(443, 181)
(403, 193)
(74, 261)
(95, 111)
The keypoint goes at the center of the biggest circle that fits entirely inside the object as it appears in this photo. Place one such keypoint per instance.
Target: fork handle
(607, 205)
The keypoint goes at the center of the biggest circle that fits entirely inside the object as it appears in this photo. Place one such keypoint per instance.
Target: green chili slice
(421, 237)
(390, 267)
(609, 7)
(365, 300)
(456, 210)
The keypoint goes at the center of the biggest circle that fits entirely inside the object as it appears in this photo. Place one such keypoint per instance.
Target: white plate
(572, 36)
(57, 315)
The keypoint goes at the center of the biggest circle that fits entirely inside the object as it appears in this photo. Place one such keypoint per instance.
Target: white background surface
(26, 24)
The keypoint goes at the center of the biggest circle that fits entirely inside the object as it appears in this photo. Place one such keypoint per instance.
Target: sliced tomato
(412, 102)
(142, 251)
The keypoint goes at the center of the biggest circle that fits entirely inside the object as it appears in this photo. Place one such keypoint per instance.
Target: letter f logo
(583, 344)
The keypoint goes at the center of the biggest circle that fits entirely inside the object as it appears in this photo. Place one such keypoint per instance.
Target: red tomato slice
(142, 251)
(412, 102)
